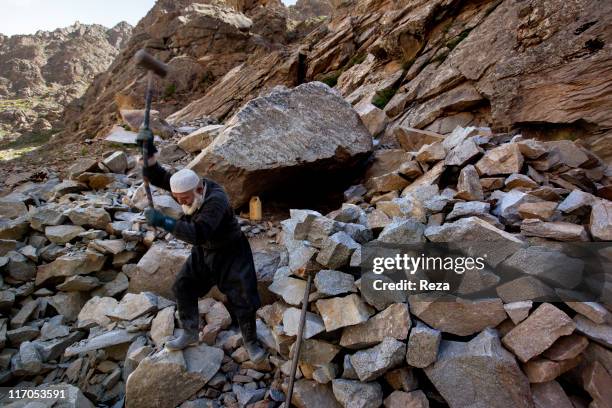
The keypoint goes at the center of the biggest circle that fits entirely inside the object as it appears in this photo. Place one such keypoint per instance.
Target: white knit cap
(184, 180)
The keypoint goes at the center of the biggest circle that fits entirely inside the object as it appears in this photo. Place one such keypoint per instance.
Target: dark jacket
(213, 225)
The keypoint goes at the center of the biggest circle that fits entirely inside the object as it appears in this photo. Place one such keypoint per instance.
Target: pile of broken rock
(86, 299)
(366, 350)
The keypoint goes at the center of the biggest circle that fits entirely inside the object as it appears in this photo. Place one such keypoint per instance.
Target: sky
(29, 16)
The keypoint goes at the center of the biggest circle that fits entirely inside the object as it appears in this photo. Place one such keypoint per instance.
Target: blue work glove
(157, 219)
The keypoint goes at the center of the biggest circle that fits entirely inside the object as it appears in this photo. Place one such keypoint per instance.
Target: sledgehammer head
(146, 60)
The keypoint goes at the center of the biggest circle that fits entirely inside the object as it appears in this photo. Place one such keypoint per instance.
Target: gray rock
(600, 333)
(349, 213)
(247, 396)
(7, 298)
(355, 394)
(393, 322)
(470, 208)
(600, 221)
(69, 265)
(558, 230)
(81, 166)
(199, 138)
(476, 237)
(476, 280)
(371, 363)
(107, 339)
(547, 264)
(468, 186)
(79, 283)
(401, 231)
(30, 361)
(167, 205)
(203, 361)
(133, 305)
(162, 326)
(307, 394)
(290, 289)
(26, 311)
(463, 153)
(54, 348)
(455, 315)
(89, 216)
(61, 234)
(526, 288)
(332, 283)
(291, 320)
(575, 200)
(116, 163)
(158, 377)
(265, 139)
(479, 374)
(157, 269)
(19, 267)
(11, 209)
(68, 186)
(337, 250)
(94, 311)
(380, 299)
(507, 208)
(400, 399)
(423, 345)
(68, 304)
(54, 328)
(21, 334)
(341, 312)
(348, 371)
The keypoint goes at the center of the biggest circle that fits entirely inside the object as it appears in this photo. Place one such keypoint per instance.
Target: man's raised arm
(156, 174)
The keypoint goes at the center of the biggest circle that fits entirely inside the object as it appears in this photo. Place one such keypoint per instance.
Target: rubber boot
(189, 337)
(248, 329)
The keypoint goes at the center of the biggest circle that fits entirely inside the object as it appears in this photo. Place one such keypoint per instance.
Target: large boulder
(479, 374)
(159, 377)
(267, 142)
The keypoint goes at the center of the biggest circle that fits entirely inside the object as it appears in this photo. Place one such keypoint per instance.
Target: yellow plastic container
(255, 209)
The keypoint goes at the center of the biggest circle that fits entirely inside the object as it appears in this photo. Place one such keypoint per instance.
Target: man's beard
(195, 205)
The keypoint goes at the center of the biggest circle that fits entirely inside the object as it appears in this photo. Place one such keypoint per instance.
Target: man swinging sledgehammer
(220, 256)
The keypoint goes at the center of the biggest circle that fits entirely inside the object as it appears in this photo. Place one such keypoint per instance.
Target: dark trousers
(231, 268)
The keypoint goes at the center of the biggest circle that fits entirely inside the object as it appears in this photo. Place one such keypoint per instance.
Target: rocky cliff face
(540, 67)
(41, 73)
(208, 46)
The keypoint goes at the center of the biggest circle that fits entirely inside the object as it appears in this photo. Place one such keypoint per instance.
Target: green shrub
(383, 97)
(170, 90)
(332, 79)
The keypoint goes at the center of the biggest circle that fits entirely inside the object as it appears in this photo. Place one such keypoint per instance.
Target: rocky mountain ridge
(42, 73)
